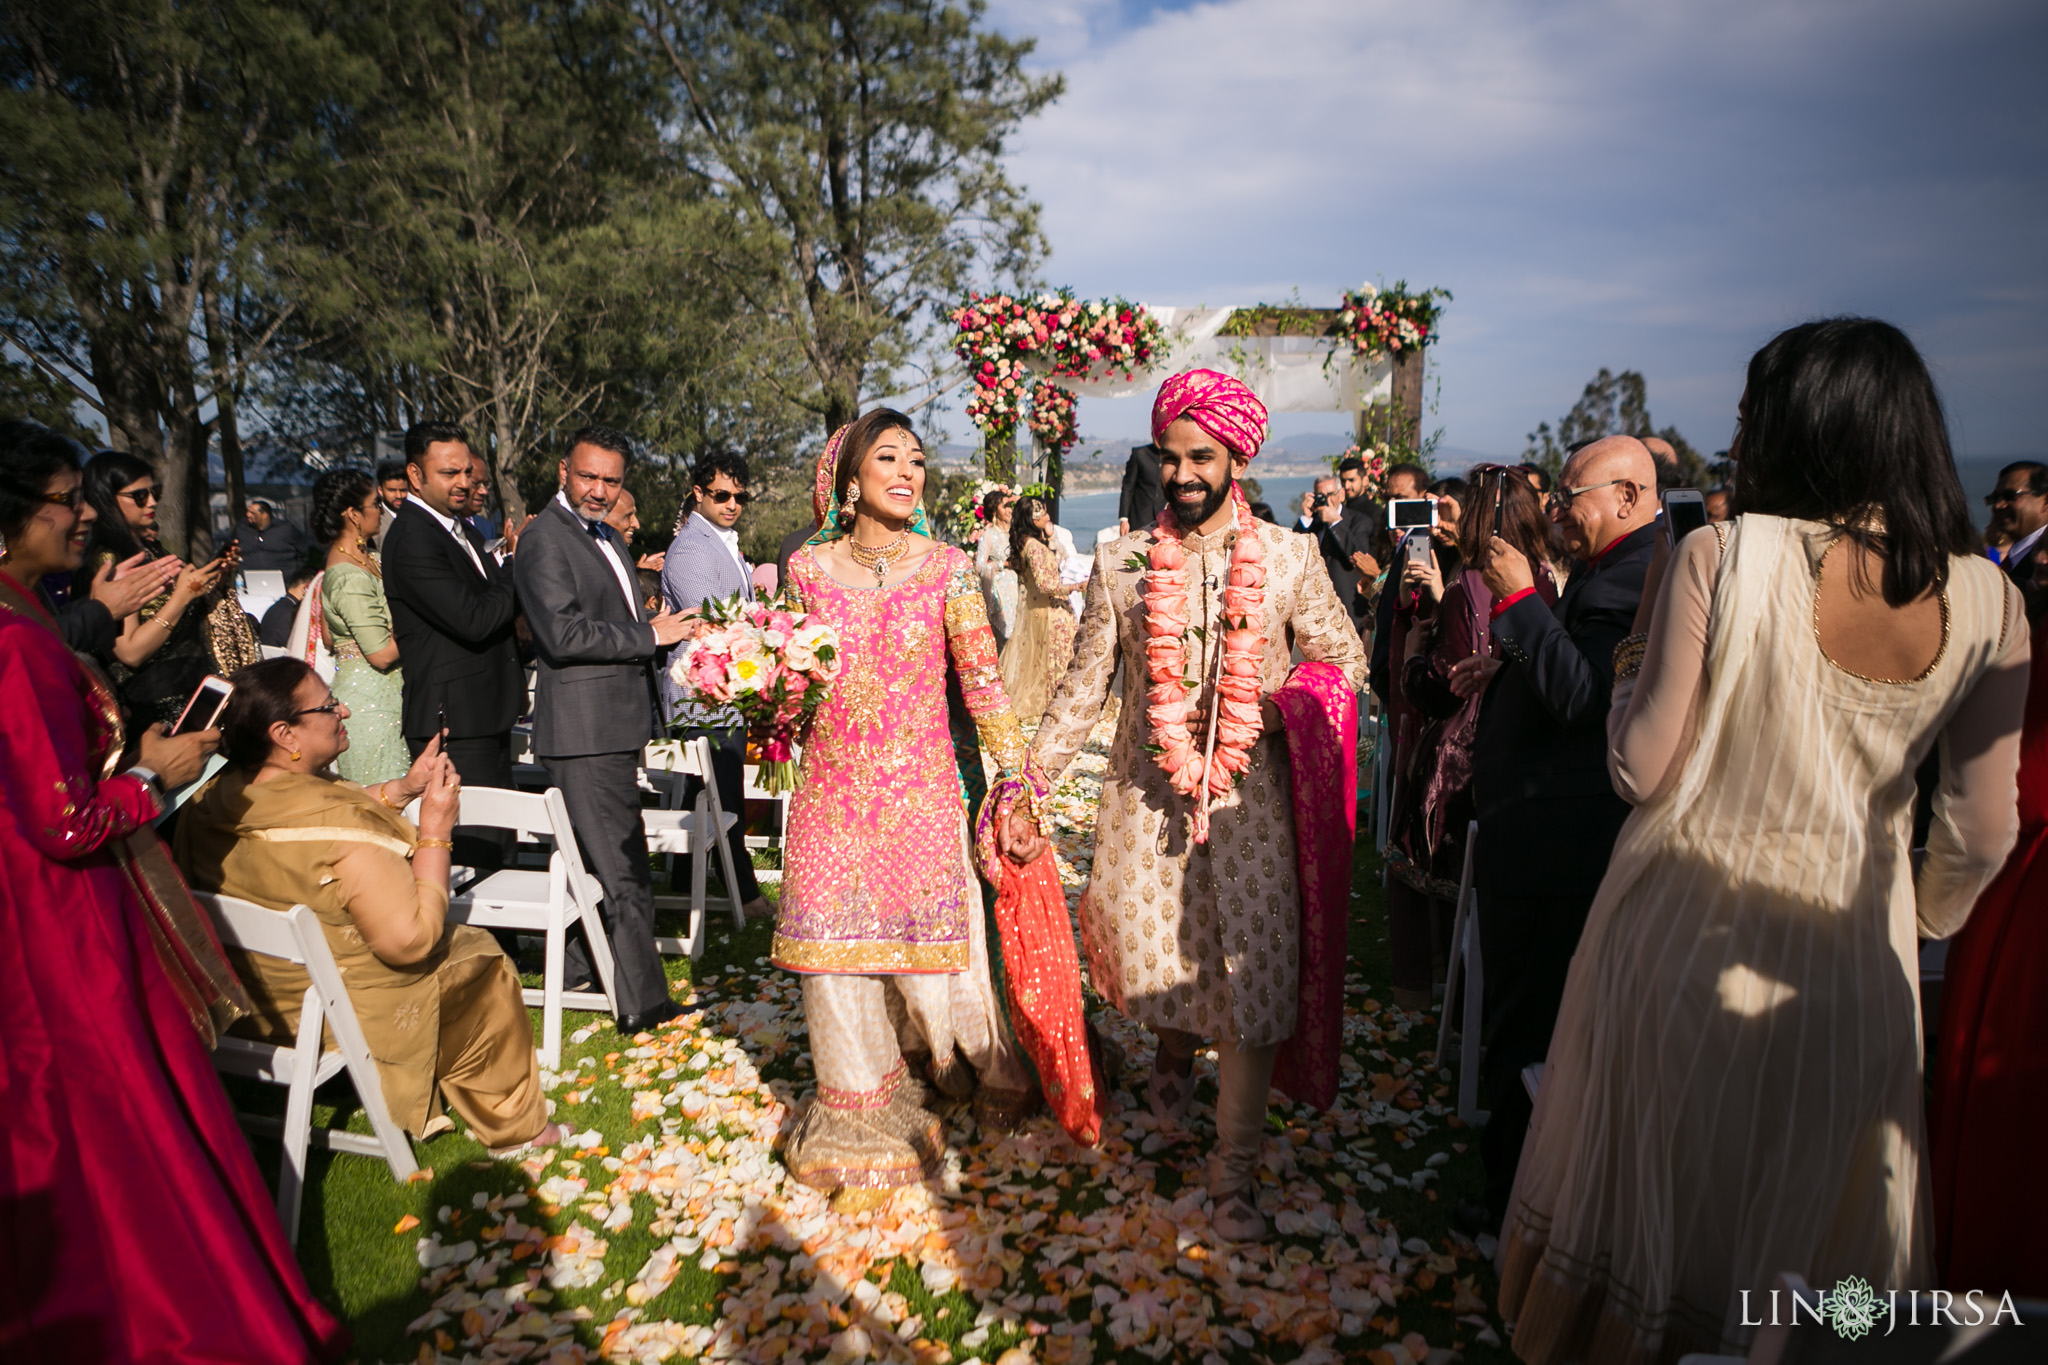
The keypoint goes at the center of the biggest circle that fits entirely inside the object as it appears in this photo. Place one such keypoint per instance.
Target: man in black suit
(451, 613)
(1143, 496)
(1548, 815)
(593, 703)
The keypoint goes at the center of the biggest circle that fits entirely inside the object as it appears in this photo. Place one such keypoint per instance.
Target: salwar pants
(869, 1127)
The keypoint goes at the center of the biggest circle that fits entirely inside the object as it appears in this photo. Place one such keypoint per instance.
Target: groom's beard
(1201, 512)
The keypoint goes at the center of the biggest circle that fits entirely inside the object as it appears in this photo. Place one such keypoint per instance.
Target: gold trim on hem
(866, 957)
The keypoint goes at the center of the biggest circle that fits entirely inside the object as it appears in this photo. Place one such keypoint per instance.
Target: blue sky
(1658, 186)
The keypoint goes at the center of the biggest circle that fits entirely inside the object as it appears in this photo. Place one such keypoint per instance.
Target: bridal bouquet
(770, 663)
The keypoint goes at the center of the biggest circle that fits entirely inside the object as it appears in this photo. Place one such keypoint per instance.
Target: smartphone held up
(202, 712)
(1685, 511)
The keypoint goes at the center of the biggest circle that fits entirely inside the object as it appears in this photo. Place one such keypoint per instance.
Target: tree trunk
(503, 465)
(218, 361)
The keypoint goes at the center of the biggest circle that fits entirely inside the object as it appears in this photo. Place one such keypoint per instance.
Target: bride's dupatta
(185, 943)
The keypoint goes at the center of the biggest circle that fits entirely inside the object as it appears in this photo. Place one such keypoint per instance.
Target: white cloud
(1601, 182)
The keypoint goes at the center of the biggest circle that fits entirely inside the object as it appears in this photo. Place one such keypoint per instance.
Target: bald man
(1548, 815)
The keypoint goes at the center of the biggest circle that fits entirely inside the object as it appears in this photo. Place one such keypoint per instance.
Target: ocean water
(1085, 514)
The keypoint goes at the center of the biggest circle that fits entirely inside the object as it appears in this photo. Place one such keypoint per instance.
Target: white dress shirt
(731, 540)
(618, 562)
(2024, 546)
(450, 525)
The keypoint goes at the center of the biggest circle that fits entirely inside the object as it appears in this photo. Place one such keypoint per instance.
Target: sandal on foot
(1235, 1218)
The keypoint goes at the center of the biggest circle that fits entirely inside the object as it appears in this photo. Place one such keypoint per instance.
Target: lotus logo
(1853, 1307)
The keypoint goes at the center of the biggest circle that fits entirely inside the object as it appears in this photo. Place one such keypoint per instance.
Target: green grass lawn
(1030, 1249)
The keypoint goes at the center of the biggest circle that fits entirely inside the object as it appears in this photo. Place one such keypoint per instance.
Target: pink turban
(1222, 406)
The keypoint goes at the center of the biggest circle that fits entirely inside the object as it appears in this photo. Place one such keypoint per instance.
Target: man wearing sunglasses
(2019, 510)
(703, 563)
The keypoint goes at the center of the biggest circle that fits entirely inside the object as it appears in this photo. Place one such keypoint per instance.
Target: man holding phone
(1548, 815)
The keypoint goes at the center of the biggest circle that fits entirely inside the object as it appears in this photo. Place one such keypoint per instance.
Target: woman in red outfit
(133, 1223)
(1990, 1103)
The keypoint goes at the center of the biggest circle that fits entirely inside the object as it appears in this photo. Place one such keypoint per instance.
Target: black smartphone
(1685, 511)
(209, 699)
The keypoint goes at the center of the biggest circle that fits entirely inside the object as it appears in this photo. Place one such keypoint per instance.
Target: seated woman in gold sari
(439, 1003)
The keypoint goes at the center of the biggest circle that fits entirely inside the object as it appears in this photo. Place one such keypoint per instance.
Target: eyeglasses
(142, 497)
(1998, 496)
(1563, 496)
(332, 706)
(722, 496)
(73, 500)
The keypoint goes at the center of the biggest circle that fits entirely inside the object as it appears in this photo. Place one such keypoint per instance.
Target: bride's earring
(852, 494)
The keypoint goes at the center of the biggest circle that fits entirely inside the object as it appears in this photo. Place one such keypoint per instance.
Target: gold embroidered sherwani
(1204, 939)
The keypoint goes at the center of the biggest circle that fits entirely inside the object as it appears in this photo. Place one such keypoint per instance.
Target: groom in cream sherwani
(1199, 940)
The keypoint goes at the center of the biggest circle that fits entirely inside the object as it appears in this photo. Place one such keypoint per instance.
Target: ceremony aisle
(667, 1229)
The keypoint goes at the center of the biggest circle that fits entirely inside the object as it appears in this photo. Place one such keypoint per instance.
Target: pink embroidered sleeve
(972, 643)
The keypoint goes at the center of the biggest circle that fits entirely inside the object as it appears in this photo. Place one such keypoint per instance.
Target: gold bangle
(448, 844)
(384, 798)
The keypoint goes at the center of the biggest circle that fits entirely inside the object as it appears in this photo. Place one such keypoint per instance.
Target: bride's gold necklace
(881, 558)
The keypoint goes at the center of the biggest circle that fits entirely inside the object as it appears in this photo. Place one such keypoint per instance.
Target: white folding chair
(772, 842)
(542, 901)
(698, 830)
(296, 936)
(1465, 956)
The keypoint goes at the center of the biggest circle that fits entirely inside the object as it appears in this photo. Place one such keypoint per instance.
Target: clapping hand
(123, 588)
(671, 626)
(197, 580)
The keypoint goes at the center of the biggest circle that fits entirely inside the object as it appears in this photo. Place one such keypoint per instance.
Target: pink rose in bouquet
(770, 662)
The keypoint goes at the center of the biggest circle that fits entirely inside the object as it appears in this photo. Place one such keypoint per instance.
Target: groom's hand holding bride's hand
(1018, 839)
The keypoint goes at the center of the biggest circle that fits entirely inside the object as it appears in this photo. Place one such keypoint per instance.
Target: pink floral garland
(1239, 722)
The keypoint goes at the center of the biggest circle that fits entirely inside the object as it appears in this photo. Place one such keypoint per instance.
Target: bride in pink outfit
(881, 906)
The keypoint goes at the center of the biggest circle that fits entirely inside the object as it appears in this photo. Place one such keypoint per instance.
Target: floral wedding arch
(1031, 356)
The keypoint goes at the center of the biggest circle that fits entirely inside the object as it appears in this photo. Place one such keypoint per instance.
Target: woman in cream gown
(1042, 643)
(1733, 1089)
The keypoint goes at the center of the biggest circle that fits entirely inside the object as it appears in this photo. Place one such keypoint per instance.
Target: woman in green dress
(352, 610)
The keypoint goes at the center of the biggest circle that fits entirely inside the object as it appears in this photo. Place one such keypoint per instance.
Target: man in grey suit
(593, 707)
(704, 563)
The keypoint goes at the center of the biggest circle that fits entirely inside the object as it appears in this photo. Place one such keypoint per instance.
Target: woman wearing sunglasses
(193, 628)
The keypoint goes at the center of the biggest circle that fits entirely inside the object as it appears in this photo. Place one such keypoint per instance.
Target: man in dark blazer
(703, 563)
(1548, 815)
(451, 614)
(2019, 509)
(593, 703)
(1143, 496)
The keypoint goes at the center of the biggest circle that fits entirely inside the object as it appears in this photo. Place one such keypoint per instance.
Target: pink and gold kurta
(881, 906)
(878, 879)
